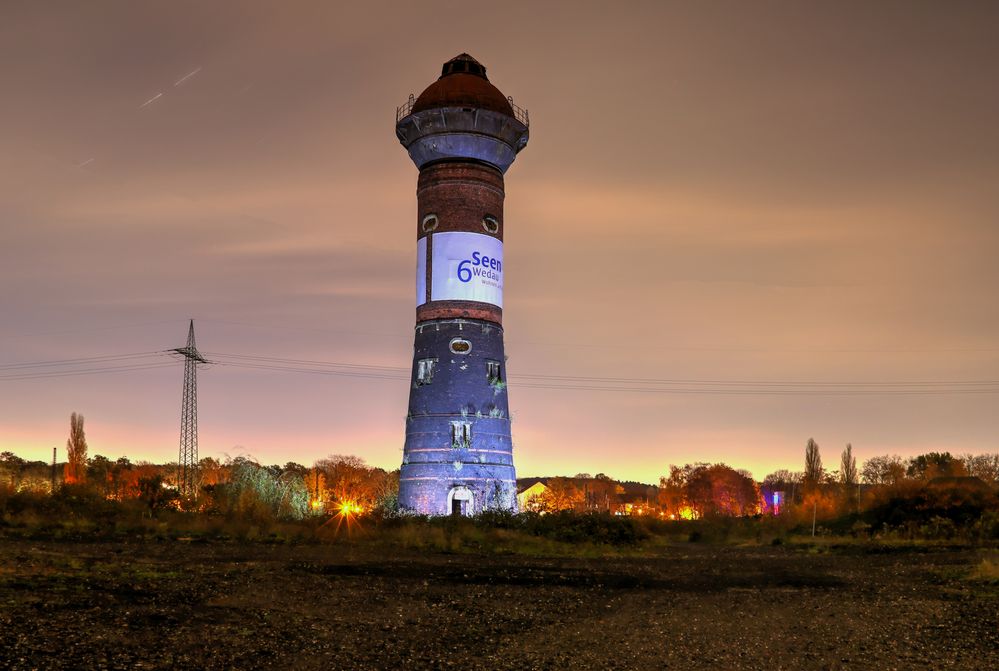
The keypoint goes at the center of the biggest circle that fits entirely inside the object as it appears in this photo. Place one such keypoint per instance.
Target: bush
(599, 528)
(491, 527)
(254, 492)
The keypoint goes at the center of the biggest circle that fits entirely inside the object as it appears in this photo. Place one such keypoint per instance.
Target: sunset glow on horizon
(737, 227)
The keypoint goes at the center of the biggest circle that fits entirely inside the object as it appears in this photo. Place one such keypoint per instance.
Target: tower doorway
(459, 501)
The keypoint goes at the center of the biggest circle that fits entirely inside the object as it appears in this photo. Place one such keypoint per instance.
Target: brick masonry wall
(460, 194)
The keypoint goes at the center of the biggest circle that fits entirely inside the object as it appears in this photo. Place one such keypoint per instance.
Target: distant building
(531, 497)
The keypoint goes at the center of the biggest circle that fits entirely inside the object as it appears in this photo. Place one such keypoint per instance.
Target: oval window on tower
(460, 346)
(490, 223)
(429, 223)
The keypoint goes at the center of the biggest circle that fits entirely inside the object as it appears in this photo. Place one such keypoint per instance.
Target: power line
(114, 363)
(313, 371)
(637, 385)
(86, 371)
(267, 359)
(78, 361)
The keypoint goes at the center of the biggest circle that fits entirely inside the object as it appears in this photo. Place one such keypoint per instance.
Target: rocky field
(215, 605)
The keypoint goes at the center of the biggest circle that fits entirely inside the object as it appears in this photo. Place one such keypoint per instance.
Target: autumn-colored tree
(211, 472)
(76, 451)
(315, 484)
(119, 478)
(673, 492)
(562, 494)
(131, 475)
(348, 479)
(599, 492)
(719, 489)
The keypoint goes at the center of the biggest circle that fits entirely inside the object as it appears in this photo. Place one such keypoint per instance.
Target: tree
(295, 468)
(936, 465)
(348, 480)
(883, 470)
(8, 458)
(387, 490)
(783, 480)
(100, 472)
(848, 476)
(253, 491)
(985, 467)
(76, 451)
(119, 478)
(719, 489)
(10, 469)
(154, 493)
(848, 468)
(211, 472)
(673, 492)
(599, 492)
(562, 494)
(813, 466)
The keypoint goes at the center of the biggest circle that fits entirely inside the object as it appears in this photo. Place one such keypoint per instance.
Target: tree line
(884, 490)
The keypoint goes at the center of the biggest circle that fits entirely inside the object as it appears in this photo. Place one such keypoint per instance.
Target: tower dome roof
(463, 83)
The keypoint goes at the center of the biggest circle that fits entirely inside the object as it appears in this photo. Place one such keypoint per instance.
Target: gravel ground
(180, 605)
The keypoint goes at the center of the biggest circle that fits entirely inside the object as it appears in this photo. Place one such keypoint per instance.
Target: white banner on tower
(465, 267)
(421, 271)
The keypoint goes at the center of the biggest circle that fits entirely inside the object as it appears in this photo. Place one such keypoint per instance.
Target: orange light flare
(349, 508)
(347, 514)
(686, 513)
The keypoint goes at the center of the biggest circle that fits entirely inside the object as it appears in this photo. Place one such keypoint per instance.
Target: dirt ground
(175, 604)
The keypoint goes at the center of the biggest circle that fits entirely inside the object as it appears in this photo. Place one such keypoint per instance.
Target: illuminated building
(463, 135)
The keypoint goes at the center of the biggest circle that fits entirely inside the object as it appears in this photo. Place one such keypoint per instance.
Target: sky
(750, 197)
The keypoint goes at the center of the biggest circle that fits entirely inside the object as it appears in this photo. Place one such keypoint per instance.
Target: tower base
(458, 456)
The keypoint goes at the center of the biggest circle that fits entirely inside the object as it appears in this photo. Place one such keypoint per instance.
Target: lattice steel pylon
(187, 463)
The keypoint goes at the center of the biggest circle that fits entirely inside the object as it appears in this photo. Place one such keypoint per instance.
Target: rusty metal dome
(463, 83)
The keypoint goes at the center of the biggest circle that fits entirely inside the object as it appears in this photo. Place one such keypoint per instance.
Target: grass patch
(986, 571)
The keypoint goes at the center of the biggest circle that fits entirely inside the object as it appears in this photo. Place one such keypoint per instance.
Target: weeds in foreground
(987, 570)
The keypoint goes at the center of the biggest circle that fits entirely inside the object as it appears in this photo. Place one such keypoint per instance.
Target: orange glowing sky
(712, 191)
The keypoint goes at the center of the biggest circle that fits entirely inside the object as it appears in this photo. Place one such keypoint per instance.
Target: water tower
(463, 135)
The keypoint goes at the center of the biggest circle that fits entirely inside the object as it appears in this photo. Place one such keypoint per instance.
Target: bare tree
(76, 451)
(884, 470)
(783, 480)
(813, 466)
(982, 466)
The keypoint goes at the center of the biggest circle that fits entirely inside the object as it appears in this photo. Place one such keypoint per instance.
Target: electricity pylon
(187, 463)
